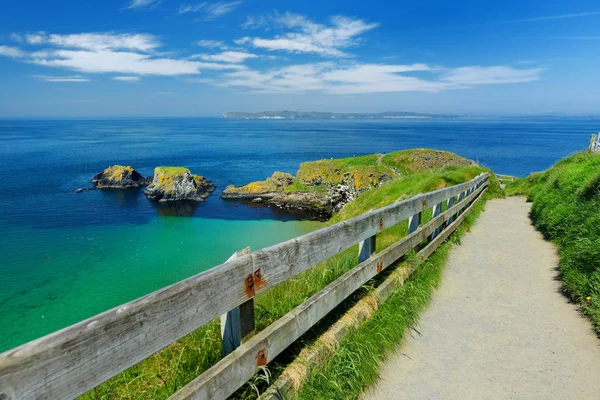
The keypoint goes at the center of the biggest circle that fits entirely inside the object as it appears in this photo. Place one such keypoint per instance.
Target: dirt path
(497, 328)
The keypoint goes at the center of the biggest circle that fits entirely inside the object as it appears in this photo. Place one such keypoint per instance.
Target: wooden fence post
(461, 197)
(366, 248)
(437, 210)
(414, 222)
(450, 204)
(237, 325)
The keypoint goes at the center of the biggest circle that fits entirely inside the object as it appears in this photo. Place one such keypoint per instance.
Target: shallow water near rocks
(66, 256)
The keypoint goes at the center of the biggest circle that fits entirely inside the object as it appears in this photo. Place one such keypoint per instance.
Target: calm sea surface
(66, 256)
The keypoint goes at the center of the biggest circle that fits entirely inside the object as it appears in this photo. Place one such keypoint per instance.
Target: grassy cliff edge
(566, 209)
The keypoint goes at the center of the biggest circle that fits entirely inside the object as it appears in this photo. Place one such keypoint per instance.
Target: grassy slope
(566, 209)
(162, 374)
(356, 363)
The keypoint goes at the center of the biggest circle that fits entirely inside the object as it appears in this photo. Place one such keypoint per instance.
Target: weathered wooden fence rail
(72, 361)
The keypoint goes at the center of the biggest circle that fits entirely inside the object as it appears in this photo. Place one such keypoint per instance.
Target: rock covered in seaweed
(120, 177)
(178, 183)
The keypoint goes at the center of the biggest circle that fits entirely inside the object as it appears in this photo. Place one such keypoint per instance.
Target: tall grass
(167, 371)
(566, 209)
(357, 361)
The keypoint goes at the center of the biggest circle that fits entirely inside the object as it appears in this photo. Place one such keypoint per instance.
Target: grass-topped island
(324, 187)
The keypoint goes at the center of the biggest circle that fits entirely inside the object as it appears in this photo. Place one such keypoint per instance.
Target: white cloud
(211, 44)
(97, 41)
(12, 52)
(211, 11)
(116, 53)
(477, 75)
(329, 77)
(75, 78)
(227, 56)
(127, 78)
(140, 4)
(105, 61)
(311, 37)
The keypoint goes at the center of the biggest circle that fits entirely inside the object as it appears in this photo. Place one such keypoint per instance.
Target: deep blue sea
(67, 256)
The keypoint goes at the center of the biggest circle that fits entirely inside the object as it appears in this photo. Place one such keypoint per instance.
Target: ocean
(66, 256)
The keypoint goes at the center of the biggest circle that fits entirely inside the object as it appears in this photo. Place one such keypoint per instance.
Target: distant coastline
(329, 115)
(288, 114)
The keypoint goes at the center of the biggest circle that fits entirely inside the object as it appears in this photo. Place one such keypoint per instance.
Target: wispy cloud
(477, 75)
(329, 77)
(97, 41)
(130, 79)
(211, 44)
(227, 57)
(143, 4)
(131, 54)
(255, 22)
(75, 78)
(560, 16)
(211, 11)
(310, 37)
(12, 52)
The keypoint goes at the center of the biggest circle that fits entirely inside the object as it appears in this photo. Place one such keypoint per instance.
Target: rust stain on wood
(259, 281)
(380, 224)
(261, 358)
(379, 266)
(249, 286)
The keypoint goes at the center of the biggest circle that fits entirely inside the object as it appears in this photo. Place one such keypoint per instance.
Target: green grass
(356, 363)
(566, 209)
(165, 372)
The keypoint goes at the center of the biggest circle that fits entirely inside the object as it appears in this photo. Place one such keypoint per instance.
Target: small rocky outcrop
(176, 184)
(120, 177)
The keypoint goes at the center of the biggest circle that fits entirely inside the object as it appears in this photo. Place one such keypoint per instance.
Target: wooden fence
(70, 362)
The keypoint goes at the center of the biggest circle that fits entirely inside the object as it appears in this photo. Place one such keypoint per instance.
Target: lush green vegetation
(566, 209)
(356, 363)
(165, 372)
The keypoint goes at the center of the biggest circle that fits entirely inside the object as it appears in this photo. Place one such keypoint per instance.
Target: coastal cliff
(324, 187)
(178, 183)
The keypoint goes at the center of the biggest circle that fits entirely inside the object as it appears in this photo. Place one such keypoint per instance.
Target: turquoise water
(66, 256)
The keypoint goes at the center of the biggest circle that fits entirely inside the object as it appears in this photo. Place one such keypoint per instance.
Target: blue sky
(187, 58)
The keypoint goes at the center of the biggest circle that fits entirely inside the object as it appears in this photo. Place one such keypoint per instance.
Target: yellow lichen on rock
(117, 172)
(177, 183)
(278, 182)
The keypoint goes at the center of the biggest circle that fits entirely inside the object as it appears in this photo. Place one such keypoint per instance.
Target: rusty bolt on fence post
(249, 286)
(261, 358)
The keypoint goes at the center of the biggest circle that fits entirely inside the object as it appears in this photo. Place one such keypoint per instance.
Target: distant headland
(286, 114)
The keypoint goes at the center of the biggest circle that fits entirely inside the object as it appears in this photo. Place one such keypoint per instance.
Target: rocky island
(326, 186)
(178, 183)
(120, 177)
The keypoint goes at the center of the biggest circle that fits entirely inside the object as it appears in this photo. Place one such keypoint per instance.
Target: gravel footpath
(498, 327)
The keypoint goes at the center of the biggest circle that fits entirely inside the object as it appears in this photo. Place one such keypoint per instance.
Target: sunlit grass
(566, 209)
